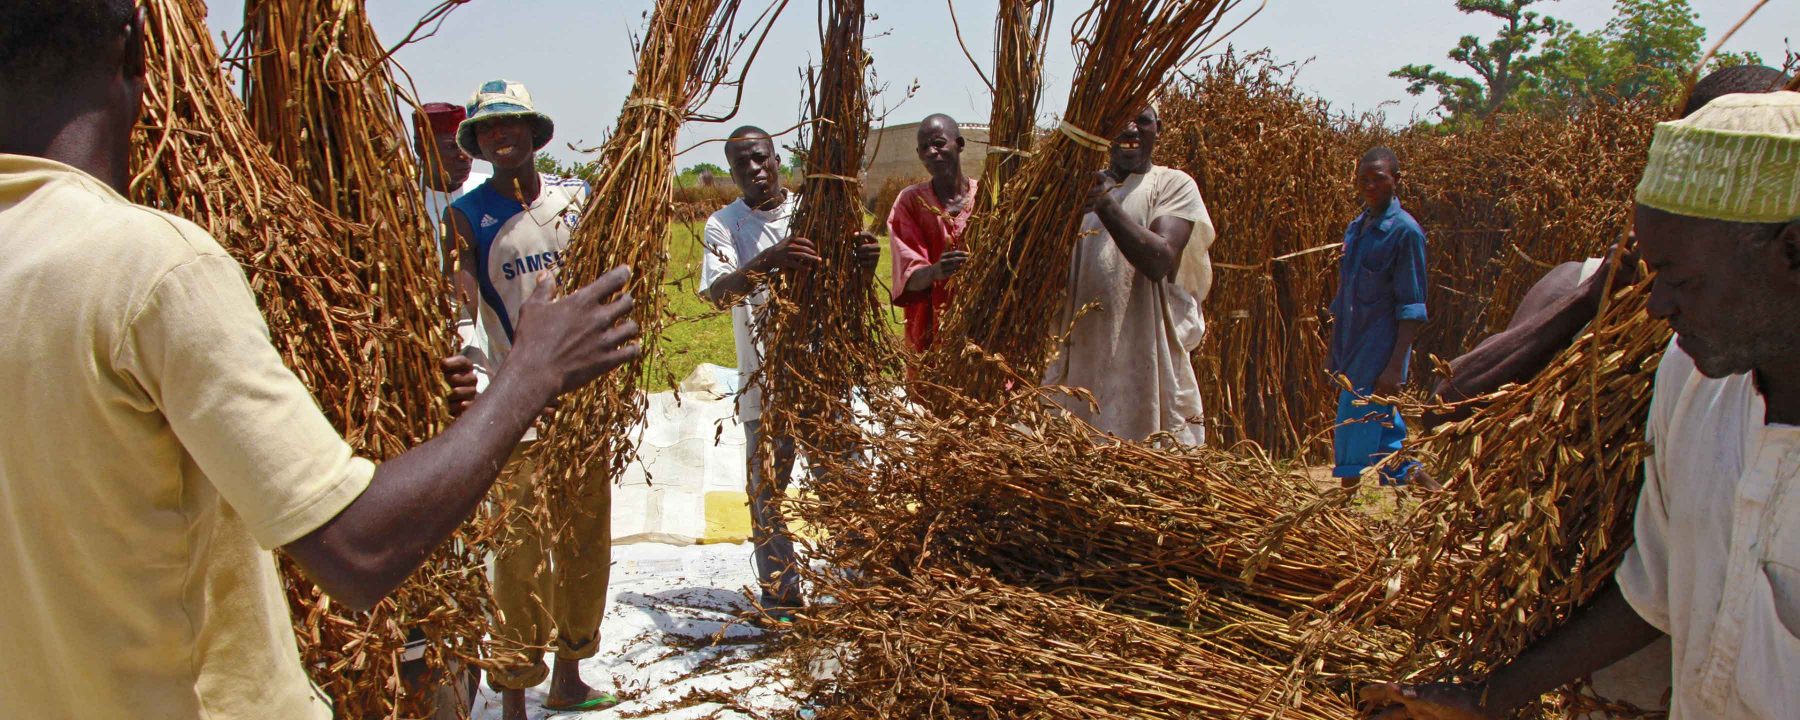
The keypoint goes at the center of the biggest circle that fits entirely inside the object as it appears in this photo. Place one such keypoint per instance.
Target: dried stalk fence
(1272, 163)
(1011, 292)
(1500, 204)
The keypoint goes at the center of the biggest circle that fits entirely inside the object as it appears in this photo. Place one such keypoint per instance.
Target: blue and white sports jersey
(512, 243)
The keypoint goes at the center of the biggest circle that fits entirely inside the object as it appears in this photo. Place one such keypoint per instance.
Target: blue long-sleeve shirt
(1381, 281)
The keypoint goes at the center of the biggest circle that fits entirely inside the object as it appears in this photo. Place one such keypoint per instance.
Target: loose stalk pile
(1537, 510)
(321, 97)
(1504, 204)
(197, 156)
(1021, 29)
(824, 329)
(685, 53)
(1023, 501)
(953, 647)
(1011, 293)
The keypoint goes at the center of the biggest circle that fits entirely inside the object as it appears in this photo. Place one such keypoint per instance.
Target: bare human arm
(416, 500)
(1603, 632)
(1549, 319)
(1155, 250)
(946, 267)
(794, 253)
(1394, 375)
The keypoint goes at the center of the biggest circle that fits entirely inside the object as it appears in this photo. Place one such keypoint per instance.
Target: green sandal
(604, 701)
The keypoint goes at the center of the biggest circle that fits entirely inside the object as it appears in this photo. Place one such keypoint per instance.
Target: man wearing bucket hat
(158, 449)
(1716, 564)
(512, 232)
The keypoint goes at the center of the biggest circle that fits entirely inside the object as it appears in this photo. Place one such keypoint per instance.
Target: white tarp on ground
(681, 568)
(673, 629)
(688, 483)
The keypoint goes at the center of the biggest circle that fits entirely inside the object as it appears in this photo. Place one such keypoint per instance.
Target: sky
(575, 55)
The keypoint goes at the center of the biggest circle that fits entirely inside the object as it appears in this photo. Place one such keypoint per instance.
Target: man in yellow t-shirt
(156, 449)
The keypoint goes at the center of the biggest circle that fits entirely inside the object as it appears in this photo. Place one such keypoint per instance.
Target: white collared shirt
(1717, 559)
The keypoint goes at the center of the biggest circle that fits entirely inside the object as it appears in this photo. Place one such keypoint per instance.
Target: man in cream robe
(1139, 273)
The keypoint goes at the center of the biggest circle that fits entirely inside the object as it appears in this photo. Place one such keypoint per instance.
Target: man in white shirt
(1716, 564)
(744, 242)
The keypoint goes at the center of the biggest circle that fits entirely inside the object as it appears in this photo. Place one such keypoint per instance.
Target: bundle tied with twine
(1536, 512)
(196, 156)
(684, 55)
(1011, 292)
(824, 331)
(1021, 29)
(322, 97)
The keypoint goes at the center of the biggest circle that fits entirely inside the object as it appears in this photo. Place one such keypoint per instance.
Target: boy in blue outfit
(1379, 308)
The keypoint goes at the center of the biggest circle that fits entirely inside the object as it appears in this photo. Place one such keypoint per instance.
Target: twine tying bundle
(1084, 138)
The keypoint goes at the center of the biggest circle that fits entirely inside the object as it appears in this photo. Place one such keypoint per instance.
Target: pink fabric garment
(919, 232)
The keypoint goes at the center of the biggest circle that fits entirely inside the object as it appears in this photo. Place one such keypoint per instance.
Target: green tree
(1644, 53)
(1502, 66)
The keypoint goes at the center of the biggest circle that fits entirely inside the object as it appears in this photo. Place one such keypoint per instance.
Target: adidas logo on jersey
(488, 221)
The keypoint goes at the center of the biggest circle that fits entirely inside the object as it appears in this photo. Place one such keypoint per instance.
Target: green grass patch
(700, 333)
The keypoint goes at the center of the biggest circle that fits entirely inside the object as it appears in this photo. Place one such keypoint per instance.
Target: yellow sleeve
(200, 349)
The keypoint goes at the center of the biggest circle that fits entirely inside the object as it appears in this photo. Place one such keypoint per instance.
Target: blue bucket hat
(498, 99)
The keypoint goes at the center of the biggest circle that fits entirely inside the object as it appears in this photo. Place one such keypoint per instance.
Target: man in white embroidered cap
(1716, 565)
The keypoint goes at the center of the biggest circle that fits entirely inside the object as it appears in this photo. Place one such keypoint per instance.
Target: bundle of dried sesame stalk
(1010, 293)
(684, 55)
(199, 157)
(195, 155)
(1021, 29)
(322, 98)
(825, 334)
(320, 95)
(1536, 511)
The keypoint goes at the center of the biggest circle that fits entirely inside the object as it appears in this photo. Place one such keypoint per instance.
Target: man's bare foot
(512, 705)
(1350, 483)
(569, 692)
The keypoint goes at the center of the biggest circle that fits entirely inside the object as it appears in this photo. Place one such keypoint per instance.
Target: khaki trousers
(540, 584)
